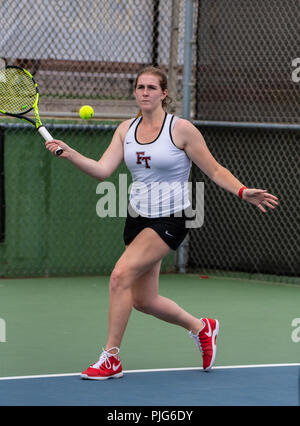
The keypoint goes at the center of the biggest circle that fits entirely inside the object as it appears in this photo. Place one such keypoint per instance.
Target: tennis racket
(18, 95)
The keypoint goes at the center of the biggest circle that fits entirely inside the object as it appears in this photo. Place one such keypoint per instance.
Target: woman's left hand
(260, 198)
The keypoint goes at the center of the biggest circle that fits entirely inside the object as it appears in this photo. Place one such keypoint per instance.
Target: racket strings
(17, 91)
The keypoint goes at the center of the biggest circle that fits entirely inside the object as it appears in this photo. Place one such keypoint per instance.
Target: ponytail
(139, 114)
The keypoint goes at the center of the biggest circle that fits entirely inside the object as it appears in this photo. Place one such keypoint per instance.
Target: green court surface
(59, 325)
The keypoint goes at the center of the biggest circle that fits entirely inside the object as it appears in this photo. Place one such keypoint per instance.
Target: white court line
(156, 370)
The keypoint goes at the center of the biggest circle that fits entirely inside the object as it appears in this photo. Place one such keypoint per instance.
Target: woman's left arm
(190, 139)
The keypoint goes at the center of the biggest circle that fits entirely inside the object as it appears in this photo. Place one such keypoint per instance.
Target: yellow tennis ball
(86, 112)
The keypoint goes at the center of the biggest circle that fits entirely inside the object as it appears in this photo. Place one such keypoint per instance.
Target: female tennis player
(157, 147)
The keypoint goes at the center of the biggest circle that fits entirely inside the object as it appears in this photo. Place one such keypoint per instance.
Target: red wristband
(240, 194)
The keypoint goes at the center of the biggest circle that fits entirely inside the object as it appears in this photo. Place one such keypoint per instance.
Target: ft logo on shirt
(141, 157)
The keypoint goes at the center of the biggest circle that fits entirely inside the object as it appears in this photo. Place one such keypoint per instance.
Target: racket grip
(46, 135)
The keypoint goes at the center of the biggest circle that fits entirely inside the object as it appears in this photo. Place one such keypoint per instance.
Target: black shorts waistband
(186, 214)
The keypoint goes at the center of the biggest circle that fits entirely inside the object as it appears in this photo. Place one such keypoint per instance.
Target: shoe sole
(115, 376)
(214, 337)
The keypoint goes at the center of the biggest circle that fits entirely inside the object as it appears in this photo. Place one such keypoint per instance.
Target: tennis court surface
(233, 386)
(53, 328)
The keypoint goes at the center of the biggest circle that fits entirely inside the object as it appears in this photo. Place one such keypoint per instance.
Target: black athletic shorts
(171, 229)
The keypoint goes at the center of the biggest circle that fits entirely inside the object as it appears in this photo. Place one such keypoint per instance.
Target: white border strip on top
(155, 370)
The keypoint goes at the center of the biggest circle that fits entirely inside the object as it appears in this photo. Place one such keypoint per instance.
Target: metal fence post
(173, 55)
(182, 252)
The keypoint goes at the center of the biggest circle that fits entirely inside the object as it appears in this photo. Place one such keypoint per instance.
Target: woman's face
(148, 92)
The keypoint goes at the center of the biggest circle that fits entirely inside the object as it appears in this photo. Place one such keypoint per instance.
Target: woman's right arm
(106, 165)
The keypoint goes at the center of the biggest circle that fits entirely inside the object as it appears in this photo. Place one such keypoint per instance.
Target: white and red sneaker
(108, 366)
(206, 341)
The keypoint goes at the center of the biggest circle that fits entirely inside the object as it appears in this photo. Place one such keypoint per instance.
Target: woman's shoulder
(182, 123)
(123, 127)
(184, 131)
(183, 126)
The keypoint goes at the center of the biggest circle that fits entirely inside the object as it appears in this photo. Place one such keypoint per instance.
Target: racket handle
(46, 135)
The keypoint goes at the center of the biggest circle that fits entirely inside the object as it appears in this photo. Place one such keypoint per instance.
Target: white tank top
(160, 171)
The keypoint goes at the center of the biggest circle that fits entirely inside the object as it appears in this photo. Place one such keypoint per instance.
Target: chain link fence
(91, 50)
(246, 69)
(236, 236)
(51, 223)
(247, 72)
(79, 52)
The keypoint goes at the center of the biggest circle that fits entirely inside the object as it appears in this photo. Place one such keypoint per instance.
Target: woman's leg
(134, 282)
(145, 298)
(139, 257)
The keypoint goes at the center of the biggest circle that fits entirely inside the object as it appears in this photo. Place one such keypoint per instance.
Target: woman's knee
(121, 278)
(142, 305)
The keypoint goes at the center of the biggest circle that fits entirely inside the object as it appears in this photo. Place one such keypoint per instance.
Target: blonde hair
(163, 82)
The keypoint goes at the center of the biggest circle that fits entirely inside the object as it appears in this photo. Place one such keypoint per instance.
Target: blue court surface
(272, 385)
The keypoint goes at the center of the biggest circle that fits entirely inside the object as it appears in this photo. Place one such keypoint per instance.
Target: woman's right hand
(54, 144)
